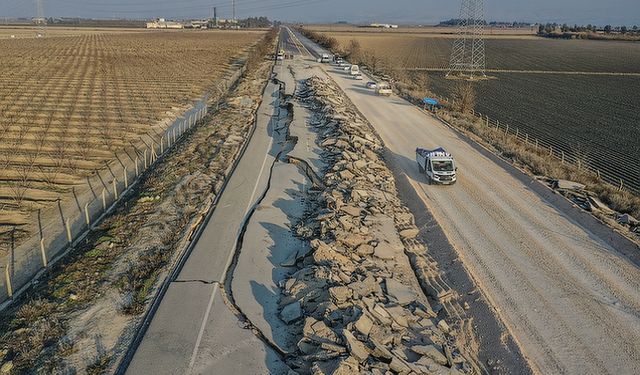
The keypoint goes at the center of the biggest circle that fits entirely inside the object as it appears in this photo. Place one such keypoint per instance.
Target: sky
(598, 12)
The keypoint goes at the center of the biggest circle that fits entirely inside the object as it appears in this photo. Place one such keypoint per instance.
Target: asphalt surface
(566, 287)
(193, 331)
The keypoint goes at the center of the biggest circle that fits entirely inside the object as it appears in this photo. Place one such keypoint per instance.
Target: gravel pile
(359, 296)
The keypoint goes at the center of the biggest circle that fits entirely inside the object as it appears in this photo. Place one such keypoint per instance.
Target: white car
(372, 85)
(358, 77)
(347, 68)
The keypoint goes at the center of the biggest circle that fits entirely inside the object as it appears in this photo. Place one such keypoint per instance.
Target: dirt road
(561, 285)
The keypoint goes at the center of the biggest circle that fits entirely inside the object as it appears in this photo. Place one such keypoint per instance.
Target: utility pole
(41, 22)
(233, 5)
(468, 53)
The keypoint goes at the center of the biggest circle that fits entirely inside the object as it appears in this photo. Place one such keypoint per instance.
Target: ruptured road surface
(562, 286)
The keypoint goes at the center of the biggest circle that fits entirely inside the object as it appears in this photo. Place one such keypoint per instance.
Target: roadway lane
(193, 331)
(562, 287)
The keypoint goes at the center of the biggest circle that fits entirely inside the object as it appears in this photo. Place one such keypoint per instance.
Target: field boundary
(516, 71)
(96, 198)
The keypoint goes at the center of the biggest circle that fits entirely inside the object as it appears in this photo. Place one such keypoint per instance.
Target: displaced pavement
(563, 288)
(191, 331)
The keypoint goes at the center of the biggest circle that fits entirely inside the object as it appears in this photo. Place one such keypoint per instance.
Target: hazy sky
(616, 12)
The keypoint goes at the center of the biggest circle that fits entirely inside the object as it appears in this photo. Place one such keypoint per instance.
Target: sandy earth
(569, 298)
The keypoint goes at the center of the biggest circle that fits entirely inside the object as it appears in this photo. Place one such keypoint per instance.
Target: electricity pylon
(467, 55)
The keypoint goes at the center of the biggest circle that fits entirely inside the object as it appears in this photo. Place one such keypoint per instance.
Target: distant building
(197, 24)
(384, 26)
(161, 23)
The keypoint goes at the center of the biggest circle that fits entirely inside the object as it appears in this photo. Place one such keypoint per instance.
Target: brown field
(70, 104)
(22, 32)
(578, 95)
(424, 31)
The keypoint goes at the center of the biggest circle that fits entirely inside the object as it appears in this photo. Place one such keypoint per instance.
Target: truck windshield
(442, 165)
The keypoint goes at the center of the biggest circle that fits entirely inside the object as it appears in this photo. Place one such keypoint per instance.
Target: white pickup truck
(438, 165)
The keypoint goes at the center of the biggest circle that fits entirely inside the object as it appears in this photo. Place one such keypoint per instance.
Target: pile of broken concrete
(358, 298)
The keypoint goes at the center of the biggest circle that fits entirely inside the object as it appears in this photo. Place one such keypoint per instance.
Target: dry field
(426, 31)
(69, 105)
(22, 32)
(580, 95)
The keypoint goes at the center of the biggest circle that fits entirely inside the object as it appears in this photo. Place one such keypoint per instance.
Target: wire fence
(626, 177)
(61, 227)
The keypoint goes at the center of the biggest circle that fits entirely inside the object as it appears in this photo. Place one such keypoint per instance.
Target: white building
(161, 23)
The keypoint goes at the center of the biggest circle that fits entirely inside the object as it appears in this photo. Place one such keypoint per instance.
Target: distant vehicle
(354, 70)
(325, 58)
(384, 89)
(358, 77)
(280, 55)
(437, 164)
(371, 85)
(346, 68)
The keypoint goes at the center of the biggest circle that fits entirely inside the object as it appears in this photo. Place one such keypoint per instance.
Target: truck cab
(354, 69)
(438, 165)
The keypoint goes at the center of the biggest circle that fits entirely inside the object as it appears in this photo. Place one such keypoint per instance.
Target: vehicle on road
(325, 58)
(384, 89)
(280, 55)
(358, 77)
(437, 164)
(354, 70)
(372, 85)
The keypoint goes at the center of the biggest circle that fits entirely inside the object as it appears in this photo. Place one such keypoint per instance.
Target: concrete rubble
(359, 297)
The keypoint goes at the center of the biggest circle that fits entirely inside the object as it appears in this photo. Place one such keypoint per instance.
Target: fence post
(161, 145)
(7, 277)
(497, 124)
(43, 252)
(174, 134)
(598, 172)
(86, 214)
(517, 132)
(526, 138)
(562, 153)
(536, 144)
(68, 228)
(104, 199)
(487, 121)
(550, 150)
(145, 158)
(137, 169)
(126, 178)
(506, 131)
(115, 188)
(621, 185)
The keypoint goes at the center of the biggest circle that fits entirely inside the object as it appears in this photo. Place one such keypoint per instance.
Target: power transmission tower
(467, 55)
(41, 22)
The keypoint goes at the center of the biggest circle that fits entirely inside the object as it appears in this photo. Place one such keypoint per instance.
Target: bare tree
(465, 96)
